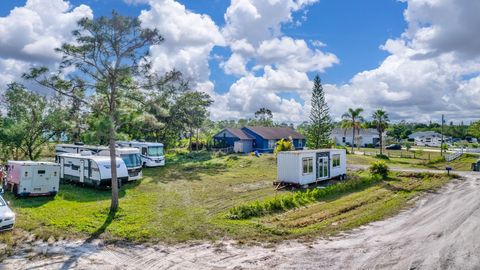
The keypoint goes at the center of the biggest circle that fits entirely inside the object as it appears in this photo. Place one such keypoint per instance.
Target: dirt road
(441, 232)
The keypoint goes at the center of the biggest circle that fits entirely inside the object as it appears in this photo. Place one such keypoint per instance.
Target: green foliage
(297, 199)
(353, 119)
(284, 145)
(379, 168)
(264, 118)
(382, 156)
(407, 145)
(320, 126)
(436, 160)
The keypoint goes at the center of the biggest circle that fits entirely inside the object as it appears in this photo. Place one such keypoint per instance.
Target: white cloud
(189, 39)
(29, 35)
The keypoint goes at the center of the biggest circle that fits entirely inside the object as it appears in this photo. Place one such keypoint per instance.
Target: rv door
(82, 170)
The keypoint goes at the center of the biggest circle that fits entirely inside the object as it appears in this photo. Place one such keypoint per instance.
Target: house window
(336, 160)
(271, 144)
(307, 164)
(300, 143)
(344, 140)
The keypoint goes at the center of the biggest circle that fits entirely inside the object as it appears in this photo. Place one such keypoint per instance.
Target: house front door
(322, 168)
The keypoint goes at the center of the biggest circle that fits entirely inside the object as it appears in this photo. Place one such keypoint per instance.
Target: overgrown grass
(300, 198)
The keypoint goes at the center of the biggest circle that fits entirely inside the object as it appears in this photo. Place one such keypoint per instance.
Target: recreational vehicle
(77, 148)
(150, 152)
(309, 166)
(90, 170)
(31, 178)
(131, 157)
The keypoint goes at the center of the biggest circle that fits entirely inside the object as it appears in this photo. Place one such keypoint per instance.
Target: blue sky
(248, 54)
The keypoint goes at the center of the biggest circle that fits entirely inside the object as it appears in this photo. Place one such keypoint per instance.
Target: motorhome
(310, 166)
(77, 148)
(132, 159)
(33, 178)
(151, 153)
(90, 170)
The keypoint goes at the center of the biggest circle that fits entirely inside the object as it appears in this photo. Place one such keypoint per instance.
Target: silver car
(7, 216)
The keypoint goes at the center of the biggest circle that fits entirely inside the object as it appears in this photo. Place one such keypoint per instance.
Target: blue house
(262, 139)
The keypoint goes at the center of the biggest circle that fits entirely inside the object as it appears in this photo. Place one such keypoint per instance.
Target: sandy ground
(441, 232)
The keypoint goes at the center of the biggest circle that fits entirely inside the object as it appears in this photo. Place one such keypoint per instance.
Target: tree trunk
(190, 141)
(381, 143)
(353, 135)
(196, 145)
(113, 157)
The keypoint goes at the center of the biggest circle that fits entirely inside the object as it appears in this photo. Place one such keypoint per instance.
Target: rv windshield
(2, 202)
(131, 160)
(155, 151)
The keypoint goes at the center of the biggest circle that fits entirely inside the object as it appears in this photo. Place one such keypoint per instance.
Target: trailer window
(336, 160)
(41, 172)
(75, 167)
(307, 164)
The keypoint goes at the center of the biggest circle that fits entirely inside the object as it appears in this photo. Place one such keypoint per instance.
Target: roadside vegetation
(193, 196)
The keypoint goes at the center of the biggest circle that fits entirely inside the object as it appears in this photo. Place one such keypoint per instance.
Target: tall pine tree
(320, 121)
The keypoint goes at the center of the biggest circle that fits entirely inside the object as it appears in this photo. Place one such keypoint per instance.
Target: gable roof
(237, 133)
(363, 131)
(275, 133)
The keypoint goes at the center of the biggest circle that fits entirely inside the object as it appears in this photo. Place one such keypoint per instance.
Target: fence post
(428, 156)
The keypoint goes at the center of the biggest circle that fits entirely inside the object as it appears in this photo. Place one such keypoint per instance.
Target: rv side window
(336, 160)
(75, 167)
(41, 172)
(307, 164)
(94, 167)
(144, 151)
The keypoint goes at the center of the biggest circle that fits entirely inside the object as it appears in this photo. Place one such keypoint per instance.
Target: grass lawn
(189, 199)
(463, 163)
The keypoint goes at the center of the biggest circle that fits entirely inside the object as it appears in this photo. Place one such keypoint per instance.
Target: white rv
(90, 170)
(132, 159)
(151, 152)
(309, 166)
(77, 148)
(32, 178)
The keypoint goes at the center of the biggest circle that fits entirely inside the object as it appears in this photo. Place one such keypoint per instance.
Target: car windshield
(131, 160)
(2, 202)
(155, 151)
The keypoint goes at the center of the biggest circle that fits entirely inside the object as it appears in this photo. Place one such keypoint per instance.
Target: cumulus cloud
(29, 35)
(424, 75)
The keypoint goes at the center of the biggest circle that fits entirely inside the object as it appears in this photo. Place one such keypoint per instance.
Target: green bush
(297, 199)
(382, 156)
(379, 168)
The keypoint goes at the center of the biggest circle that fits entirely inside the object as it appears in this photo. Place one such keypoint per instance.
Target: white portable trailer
(151, 152)
(33, 178)
(91, 170)
(132, 159)
(309, 166)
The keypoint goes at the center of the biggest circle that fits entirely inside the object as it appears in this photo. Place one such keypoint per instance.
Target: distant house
(427, 138)
(262, 139)
(367, 137)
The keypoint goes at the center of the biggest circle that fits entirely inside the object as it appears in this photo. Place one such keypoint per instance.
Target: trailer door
(62, 162)
(322, 168)
(82, 171)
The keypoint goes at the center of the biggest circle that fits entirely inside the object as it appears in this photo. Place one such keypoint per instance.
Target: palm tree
(380, 120)
(353, 120)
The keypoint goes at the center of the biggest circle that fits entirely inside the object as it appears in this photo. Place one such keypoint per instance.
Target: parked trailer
(132, 159)
(77, 148)
(309, 166)
(151, 152)
(33, 178)
(90, 170)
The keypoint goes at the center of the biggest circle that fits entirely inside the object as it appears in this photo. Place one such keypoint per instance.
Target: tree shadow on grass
(85, 249)
(189, 172)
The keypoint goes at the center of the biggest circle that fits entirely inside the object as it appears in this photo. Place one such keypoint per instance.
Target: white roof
(91, 157)
(297, 152)
(123, 150)
(141, 143)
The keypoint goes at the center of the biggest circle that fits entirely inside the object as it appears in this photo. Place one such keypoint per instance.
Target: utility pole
(441, 144)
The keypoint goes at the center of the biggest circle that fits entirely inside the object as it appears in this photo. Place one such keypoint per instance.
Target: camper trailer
(309, 166)
(91, 170)
(151, 152)
(32, 178)
(132, 159)
(77, 148)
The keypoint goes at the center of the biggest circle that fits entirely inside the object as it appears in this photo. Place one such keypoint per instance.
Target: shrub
(284, 145)
(369, 145)
(408, 145)
(379, 168)
(382, 156)
(297, 199)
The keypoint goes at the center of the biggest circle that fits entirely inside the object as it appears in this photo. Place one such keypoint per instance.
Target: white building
(427, 138)
(367, 136)
(309, 166)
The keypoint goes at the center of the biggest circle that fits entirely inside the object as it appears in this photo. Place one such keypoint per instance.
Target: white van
(132, 159)
(151, 152)
(91, 170)
(33, 178)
